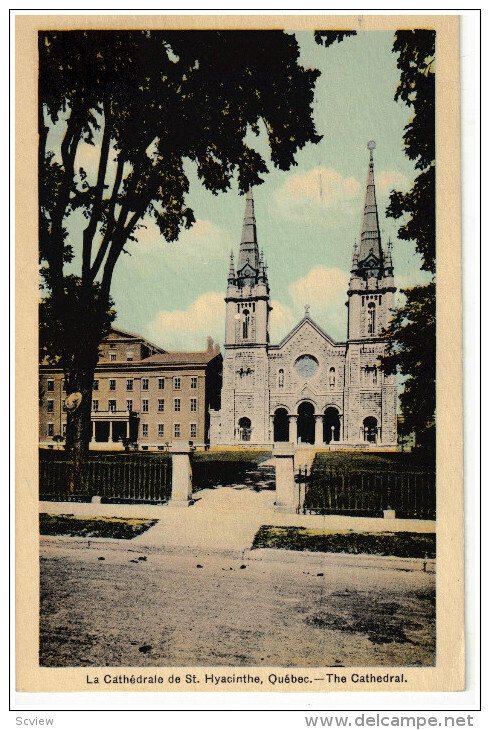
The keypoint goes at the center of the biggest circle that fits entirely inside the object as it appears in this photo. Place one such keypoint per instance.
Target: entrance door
(306, 423)
(281, 425)
(331, 425)
(245, 426)
(370, 429)
(119, 430)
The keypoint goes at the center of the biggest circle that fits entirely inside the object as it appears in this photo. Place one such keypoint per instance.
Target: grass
(249, 456)
(116, 528)
(366, 461)
(397, 544)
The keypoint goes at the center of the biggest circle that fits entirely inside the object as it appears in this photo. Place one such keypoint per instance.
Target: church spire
(249, 249)
(370, 245)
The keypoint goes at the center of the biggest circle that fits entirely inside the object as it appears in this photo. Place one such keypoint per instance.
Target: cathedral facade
(308, 389)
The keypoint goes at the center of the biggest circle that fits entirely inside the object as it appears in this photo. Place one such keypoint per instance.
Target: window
(161, 430)
(194, 382)
(144, 431)
(193, 405)
(331, 377)
(129, 384)
(63, 385)
(371, 318)
(176, 404)
(129, 355)
(50, 429)
(161, 383)
(161, 405)
(112, 385)
(95, 385)
(50, 386)
(246, 324)
(63, 405)
(144, 406)
(112, 406)
(176, 430)
(63, 430)
(144, 383)
(95, 405)
(281, 378)
(113, 356)
(129, 405)
(193, 431)
(50, 406)
(177, 383)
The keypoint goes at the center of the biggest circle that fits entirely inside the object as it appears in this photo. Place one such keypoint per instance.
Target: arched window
(246, 323)
(371, 318)
(331, 377)
(280, 380)
(375, 375)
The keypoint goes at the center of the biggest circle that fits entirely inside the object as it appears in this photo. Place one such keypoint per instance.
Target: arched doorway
(245, 428)
(281, 425)
(306, 423)
(370, 425)
(331, 425)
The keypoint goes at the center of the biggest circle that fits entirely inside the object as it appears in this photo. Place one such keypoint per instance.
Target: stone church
(308, 389)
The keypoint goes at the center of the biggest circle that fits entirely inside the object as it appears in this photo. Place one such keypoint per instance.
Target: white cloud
(324, 290)
(388, 180)
(203, 243)
(319, 196)
(282, 320)
(320, 286)
(188, 328)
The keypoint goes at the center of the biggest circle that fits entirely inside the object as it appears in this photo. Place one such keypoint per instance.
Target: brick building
(141, 393)
(309, 388)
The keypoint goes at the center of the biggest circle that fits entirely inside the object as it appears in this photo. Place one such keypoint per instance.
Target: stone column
(286, 488)
(181, 493)
(293, 429)
(318, 429)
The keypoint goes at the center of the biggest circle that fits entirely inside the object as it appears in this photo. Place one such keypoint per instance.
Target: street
(121, 604)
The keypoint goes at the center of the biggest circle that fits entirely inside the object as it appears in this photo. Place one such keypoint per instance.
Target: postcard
(239, 362)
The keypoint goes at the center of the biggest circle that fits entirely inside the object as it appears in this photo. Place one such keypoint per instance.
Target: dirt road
(128, 607)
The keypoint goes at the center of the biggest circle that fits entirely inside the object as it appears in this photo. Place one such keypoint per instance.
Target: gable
(307, 329)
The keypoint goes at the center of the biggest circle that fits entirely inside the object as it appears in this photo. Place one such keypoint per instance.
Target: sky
(307, 218)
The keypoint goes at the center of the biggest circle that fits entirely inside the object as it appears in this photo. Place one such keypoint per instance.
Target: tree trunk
(79, 424)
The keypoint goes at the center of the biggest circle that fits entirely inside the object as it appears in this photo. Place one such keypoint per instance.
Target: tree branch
(98, 192)
(110, 226)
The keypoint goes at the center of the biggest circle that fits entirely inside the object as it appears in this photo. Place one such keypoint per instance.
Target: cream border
(449, 672)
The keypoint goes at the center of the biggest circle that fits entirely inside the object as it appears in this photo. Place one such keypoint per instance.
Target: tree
(146, 101)
(413, 329)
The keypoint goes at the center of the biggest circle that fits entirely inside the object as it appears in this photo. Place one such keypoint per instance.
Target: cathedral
(308, 389)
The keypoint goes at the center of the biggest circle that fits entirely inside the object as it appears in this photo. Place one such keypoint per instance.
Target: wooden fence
(121, 479)
(366, 493)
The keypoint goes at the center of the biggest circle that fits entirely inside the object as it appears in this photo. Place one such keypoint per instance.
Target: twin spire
(368, 258)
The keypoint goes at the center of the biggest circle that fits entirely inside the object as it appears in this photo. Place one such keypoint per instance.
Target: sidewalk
(226, 519)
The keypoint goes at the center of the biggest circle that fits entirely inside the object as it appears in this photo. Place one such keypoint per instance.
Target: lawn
(398, 544)
(398, 461)
(116, 528)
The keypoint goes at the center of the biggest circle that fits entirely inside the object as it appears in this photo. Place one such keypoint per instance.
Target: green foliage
(114, 528)
(398, 544)
(416, 61)
(413, 329)
(328, 37)
(413, 352)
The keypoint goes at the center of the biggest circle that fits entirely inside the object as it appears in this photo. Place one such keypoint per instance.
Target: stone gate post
(181, 493)
(286, 488)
